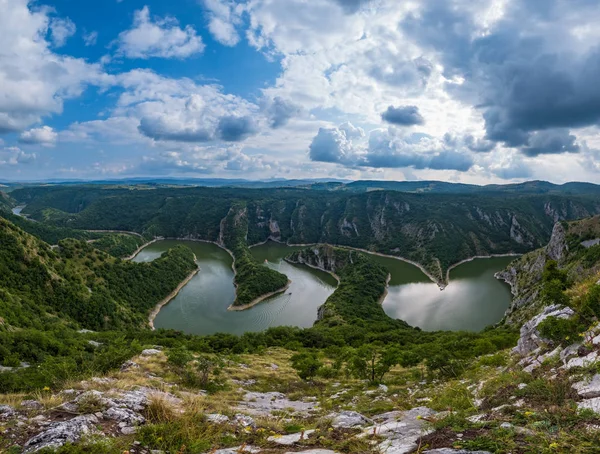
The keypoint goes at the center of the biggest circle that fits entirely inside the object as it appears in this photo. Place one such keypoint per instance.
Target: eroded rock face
(590, 404)
(557, 248)
(530, 338)
(60, 433)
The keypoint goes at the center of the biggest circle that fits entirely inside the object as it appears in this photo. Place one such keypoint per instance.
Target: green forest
(433, 229)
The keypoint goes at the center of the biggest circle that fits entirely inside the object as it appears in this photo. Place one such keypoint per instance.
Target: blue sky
(493, 91)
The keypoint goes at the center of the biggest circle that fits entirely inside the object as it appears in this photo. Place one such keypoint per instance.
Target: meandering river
(473, 300)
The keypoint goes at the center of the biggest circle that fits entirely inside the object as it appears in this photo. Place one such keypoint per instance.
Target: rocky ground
(537, 398)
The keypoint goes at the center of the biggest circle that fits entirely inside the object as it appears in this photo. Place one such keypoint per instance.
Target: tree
(372, 362)
(306, 364)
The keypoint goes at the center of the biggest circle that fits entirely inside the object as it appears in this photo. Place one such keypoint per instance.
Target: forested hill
(77, 286)
(435, 230)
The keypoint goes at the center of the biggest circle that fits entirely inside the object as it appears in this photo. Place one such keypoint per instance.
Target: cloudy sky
(456, 90)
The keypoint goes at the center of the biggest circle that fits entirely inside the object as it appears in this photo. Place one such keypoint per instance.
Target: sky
(465, 91)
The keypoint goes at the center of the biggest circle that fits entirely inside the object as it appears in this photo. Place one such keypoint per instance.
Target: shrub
(560, 330)
(306, 364)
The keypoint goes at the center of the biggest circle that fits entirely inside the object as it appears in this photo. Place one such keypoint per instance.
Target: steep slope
(435, 230)
(574, 246)
(78, 285)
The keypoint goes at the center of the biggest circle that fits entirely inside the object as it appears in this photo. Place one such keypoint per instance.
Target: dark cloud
(521, 73)
(551, 142)
(479, 145)
(279, 111)
(399, 73)
(159, 129)
(351, 6)
(403, 116)
(385, 150)
(236, 129)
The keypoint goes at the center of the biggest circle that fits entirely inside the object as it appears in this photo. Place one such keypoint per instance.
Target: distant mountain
(441, 187)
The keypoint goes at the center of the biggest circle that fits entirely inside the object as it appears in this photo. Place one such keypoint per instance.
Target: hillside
(435, 230)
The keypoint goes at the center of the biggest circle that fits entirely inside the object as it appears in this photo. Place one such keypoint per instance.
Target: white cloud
(43, 136)
(159, 38)
(91, 38)
(34, 81)
(61, 29)
(223, 18)
(12, 156)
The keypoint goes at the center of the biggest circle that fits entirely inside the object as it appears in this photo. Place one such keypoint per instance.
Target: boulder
(129, 365)
(125, 415)
(585, 361)
(263, 404)
(288, 440)
(59, 433)
(6, 411)
(31, 405)
(349, 420)
(402, 432)
(237, 450)
(453, 451)
(530, 338)
(244, 421)
(151, 352)
(217, 418)
(588, 388)
(590, 404)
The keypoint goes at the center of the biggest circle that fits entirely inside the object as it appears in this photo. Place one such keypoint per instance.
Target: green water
(201, 306)
(473, 300)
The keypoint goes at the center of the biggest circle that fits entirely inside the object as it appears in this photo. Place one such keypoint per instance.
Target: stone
(288, 440)
(274, 367)
(453, 451)
(236, 450)
(586, 361)
(402, 433)
(151, 352)
(31, 405)
(128, 365)
(217, 418)
(590, 404)
(60, 433)
(506, 425)
(588, 388)
(6, 411)
(349, 419)
(244, 421)
(125, 415)
(521, 386)
(530, 338)
(128, 430)
(383, 388)
(477, 418)
(94, 343)
(314, 451)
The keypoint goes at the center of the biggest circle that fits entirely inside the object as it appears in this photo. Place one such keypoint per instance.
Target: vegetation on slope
(362, 284)
(253, 280)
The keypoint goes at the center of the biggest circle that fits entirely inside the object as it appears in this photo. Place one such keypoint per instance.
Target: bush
(560, 330)
(306, 364)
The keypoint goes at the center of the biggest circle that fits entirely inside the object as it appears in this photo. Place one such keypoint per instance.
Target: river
(472, 300)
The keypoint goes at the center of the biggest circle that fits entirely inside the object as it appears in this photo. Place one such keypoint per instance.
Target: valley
(364, 330)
